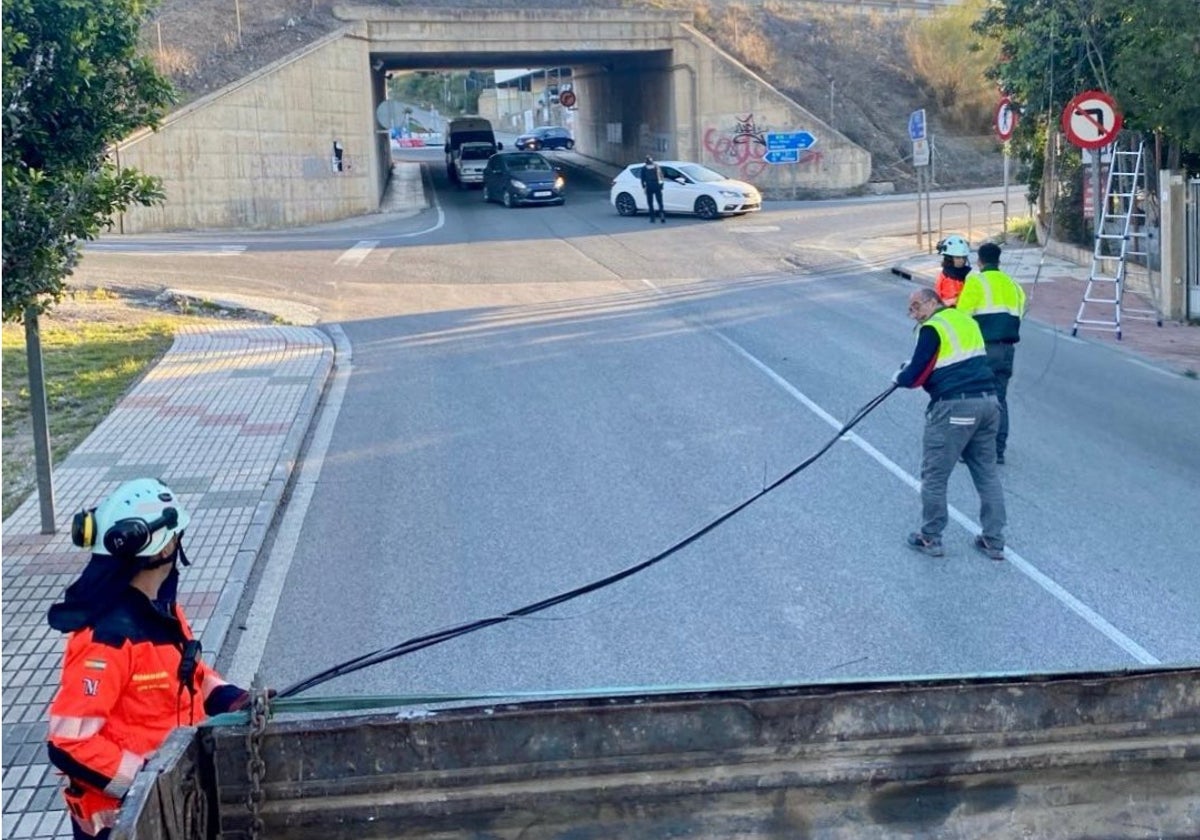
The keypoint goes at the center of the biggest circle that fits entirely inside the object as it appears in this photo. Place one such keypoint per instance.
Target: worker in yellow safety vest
(962, 420)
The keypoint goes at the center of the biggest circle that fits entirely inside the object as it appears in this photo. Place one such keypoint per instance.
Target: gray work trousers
(962, 428)
(1000, 360)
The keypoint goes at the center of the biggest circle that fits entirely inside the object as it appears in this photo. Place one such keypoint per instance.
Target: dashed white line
(359, 252)
(1018, 562)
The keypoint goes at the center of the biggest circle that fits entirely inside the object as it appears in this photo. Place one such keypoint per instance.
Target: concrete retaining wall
(260, 153)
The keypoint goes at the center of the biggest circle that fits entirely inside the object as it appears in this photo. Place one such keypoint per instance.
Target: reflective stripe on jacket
(960, 366)
(997, 302)
(119, 698)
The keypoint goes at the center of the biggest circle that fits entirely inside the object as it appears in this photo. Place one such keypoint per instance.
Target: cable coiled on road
(429, 640)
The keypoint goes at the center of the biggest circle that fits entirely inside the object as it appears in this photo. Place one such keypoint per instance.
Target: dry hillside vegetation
(818, 54)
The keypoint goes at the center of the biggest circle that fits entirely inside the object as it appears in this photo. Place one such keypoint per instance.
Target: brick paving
(221, 420)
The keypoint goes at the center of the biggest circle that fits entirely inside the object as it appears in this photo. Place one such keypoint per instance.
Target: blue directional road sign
(916, 125)
(782, 156)
(788, 140)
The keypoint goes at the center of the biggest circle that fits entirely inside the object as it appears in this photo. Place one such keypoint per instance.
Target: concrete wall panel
(258, 154)
(734, 112)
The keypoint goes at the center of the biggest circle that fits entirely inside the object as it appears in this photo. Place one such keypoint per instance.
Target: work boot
(999, 457)
(926, 545)
(990, 550)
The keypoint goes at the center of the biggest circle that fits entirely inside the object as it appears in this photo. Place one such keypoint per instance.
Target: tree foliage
(1145, 53)
(74, 83)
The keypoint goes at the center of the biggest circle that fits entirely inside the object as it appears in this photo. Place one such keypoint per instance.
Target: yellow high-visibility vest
(959, 337)
(992, 292)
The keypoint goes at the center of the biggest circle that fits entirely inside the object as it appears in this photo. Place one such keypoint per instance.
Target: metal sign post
(1006, 123)
(916, 133)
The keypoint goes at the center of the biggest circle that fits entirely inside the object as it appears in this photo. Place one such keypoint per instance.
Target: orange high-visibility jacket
(948, 288)
(120, 697)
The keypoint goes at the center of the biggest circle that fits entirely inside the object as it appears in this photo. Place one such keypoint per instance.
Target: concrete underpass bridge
(264, 152)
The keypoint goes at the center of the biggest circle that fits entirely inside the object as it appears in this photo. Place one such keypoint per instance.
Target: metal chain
(256, 768)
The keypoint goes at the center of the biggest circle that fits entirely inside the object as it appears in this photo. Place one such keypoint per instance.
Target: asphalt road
(544, 396)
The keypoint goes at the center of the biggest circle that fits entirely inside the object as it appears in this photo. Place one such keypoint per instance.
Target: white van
(466, 130)
(470, 159)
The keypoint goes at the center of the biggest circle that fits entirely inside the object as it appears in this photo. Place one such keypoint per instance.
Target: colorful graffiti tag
(743, 147)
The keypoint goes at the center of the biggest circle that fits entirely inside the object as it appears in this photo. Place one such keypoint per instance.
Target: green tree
(1156, 70)
(1145, 53)
(73, 84)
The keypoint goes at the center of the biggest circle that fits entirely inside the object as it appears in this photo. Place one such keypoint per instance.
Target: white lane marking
(1153, 368)
(148, 250)
(751, 228)
(253, 641)
(1024, 566)
(1020, 563)
(357, 253)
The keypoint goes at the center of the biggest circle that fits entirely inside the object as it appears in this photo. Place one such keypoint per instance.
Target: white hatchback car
(687, 188)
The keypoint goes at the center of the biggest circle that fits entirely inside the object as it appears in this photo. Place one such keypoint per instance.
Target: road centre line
(1055, 590)
(148, 250)
(357, 253)
(1024, 566)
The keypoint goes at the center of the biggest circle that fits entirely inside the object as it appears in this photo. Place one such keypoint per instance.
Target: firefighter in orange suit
(956, 265)
(132, 670)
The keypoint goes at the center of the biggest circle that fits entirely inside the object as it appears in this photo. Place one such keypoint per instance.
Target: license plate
(542, 194)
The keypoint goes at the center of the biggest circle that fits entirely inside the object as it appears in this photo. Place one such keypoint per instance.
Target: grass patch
(1023, 229)
(96, 345)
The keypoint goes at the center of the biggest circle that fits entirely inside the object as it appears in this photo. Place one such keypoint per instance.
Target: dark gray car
(516, 178)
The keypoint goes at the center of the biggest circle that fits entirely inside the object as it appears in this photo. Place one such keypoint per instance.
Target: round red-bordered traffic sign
(1091, 120)
(1006, 119)
(566, 99)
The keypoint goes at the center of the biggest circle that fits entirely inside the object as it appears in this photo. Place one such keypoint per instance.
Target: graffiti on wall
(743, 146)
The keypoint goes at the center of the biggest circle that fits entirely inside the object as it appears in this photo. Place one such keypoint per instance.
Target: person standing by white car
(652, 183)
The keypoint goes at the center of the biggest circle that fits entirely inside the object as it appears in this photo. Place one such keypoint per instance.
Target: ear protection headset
(125, 538)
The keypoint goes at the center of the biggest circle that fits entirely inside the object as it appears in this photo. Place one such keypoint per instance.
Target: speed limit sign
(1006, 119)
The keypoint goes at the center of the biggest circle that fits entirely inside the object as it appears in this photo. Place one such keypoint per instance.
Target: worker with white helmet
(132, 670)
(956, 265)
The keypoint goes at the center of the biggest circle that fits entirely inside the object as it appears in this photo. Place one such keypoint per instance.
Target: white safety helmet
(954, 246)
(137, 520)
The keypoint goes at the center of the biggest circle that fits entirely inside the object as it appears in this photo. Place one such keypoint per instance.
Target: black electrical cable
(420, 642)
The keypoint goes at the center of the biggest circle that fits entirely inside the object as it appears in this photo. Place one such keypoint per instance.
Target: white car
(687, 188)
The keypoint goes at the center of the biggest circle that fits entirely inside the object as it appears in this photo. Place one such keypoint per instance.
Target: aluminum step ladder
(1120, 236)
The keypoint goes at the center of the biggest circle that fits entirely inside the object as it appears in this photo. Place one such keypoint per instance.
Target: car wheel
(508, 198)
(570, 145)
(626, 206)
(706, 208)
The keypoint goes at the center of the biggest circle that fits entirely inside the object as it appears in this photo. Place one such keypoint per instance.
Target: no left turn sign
(1091, 120)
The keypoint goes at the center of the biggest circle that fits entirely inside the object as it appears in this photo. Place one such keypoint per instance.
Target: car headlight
(559, 182)
(731, 194)
(519, 185)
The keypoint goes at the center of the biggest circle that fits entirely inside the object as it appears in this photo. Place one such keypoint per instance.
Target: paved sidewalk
(221, 419)
(1054, 288)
